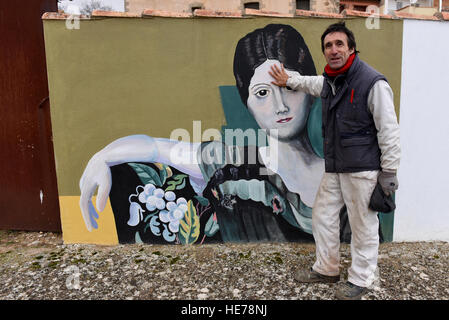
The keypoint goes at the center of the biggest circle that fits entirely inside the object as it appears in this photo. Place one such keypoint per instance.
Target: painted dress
(155, 203)
(250, 204)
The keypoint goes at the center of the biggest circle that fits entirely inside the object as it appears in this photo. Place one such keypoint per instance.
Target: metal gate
(28, 189)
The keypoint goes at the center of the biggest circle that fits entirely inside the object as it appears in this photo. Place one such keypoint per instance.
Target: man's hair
(340, 27)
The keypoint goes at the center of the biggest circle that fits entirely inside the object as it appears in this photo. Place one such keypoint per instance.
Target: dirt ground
(38, 265)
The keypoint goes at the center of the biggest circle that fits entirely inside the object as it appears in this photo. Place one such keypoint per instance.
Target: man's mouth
(284, 120)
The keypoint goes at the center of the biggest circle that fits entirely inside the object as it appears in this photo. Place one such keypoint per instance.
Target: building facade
(423, 7)
(188, 6)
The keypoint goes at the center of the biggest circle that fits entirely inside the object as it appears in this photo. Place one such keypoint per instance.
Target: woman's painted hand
(96, 175)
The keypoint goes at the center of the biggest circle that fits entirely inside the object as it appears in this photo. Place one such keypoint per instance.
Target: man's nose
(334, 50)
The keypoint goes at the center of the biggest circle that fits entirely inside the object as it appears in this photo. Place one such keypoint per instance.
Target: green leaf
(211, 227)
(178, 182)
(148, 217)
(163, 175)
(189, 226)
(203, 201)
(146, 174)
(137, 238)
(163, 172)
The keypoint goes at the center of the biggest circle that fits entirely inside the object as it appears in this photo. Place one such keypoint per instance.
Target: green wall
(120, 76)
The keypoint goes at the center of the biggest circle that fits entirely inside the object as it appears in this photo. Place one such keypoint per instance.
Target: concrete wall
(108, 77)
(326, 6)
(422, 211)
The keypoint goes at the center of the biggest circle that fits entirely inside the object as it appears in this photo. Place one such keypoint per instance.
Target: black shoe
(311, 276)
(349, 291)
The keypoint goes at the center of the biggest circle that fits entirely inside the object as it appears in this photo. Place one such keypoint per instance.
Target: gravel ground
(37, 265)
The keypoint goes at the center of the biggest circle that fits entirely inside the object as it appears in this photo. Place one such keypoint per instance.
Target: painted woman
(269, 199)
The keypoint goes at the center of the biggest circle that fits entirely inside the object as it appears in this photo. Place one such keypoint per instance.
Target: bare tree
(62, 5)
(92, 5)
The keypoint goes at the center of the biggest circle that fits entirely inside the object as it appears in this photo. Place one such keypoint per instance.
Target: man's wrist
(290, 82)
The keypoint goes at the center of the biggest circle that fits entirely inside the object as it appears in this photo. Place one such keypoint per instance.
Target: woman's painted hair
(276, 42)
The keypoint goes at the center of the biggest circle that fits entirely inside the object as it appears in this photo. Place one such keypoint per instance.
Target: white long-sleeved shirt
(381, 106)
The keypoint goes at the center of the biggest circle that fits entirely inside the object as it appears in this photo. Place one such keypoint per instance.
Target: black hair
(274, 41)
(340, 27)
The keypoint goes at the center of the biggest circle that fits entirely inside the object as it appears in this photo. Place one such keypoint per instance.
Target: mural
(166, 191)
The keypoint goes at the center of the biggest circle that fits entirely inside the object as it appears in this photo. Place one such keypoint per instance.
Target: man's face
(336, 49)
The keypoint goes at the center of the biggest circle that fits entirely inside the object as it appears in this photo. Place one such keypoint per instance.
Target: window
(252, 5)
(196, 5)
(303, 4)
(360, 8)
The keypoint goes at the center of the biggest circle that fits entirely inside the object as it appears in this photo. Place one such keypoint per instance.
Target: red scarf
(333, 73)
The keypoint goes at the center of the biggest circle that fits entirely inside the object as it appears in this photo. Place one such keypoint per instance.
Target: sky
(116, 5)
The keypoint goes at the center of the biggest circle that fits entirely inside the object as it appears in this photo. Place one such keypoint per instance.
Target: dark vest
(350, 136)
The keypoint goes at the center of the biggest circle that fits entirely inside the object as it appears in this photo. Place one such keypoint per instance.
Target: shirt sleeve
(381, 105)
(312, 85)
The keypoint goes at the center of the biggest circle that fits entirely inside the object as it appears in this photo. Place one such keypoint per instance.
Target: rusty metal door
(28, 189)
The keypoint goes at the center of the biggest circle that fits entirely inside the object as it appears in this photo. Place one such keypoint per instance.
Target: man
(361, 148)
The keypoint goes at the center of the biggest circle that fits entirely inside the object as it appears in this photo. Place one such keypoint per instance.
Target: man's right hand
(388, 181)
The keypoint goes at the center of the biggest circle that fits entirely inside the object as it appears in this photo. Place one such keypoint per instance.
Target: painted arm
(136, 148)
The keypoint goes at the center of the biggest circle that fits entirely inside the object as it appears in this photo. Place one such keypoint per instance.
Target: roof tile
(406, 15)
(307, 13)
(442, 15)
(256, 12)
(217, 14)
(115, 14)
(356, 13)
(237, 14)
(62, 16)
(168, 14)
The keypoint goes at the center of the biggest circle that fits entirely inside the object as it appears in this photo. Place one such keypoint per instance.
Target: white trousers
(354, 190)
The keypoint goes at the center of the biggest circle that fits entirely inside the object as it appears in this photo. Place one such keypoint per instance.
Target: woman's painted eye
(262, 93)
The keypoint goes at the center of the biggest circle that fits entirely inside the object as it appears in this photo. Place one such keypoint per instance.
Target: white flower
(135, 214)
(173, 226)
(149, 188)
(152, 197)
(170, 196)
(174, 213)
(159, 193)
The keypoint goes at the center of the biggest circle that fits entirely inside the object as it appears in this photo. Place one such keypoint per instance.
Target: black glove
(388, 181)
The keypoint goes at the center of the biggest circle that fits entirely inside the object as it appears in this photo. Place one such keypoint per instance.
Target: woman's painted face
(274, 107)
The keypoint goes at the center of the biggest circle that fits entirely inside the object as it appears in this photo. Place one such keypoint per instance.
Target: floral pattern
(159, 207)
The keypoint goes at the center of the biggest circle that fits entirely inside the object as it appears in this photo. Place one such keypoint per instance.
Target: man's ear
(352, 50)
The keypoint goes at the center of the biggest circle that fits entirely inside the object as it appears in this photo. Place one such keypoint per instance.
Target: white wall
(422, 200)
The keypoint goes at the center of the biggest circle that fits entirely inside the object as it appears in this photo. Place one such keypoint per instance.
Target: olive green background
(115, 77)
